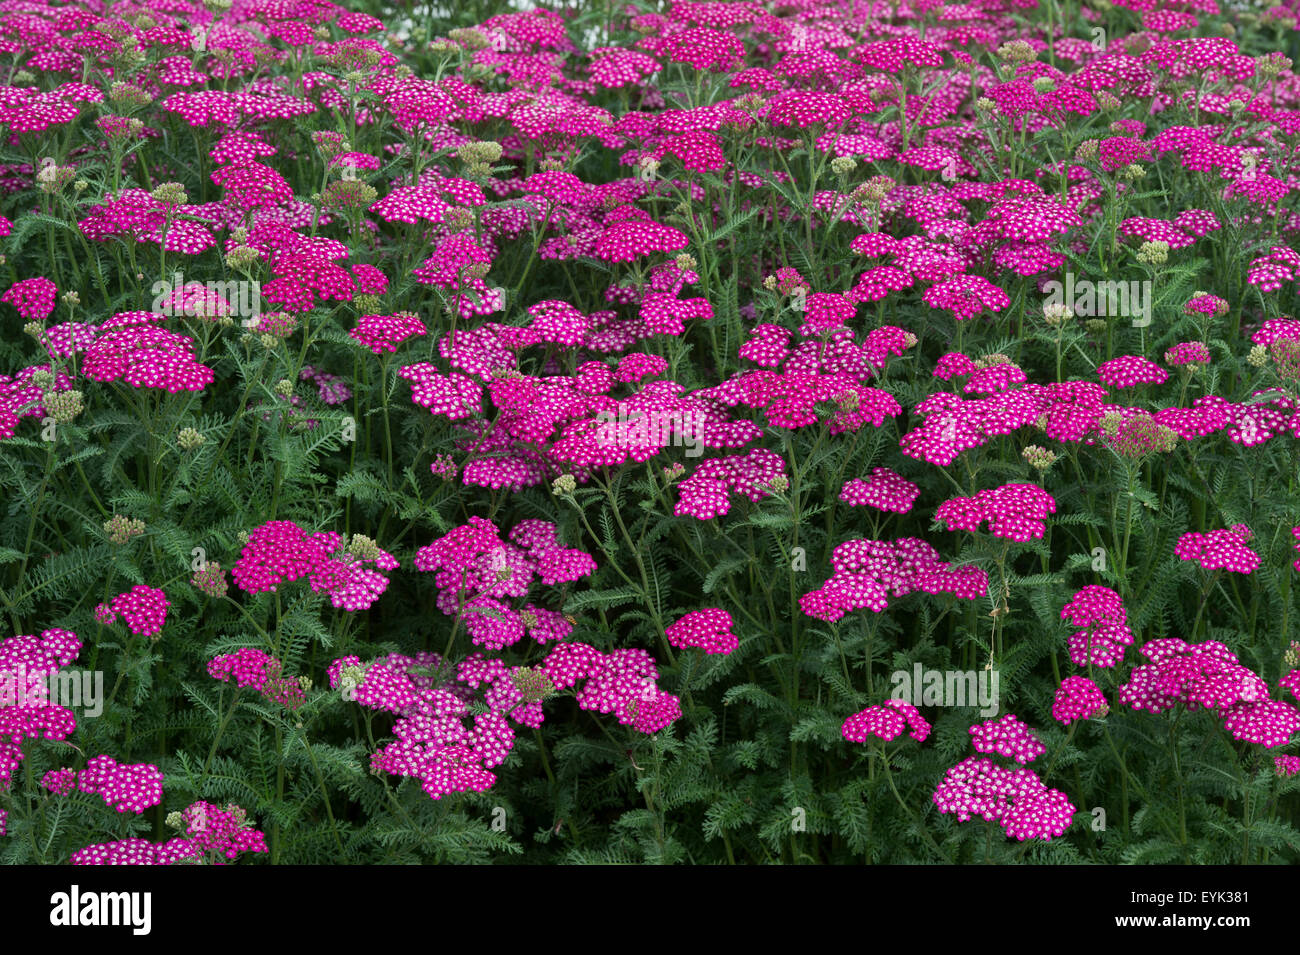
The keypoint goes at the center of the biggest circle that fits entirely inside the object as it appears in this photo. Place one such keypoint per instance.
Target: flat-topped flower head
(1129, 370)
(886, 721)
(885, 490)
(1013, 511)
(1017, 799)
(143, 608)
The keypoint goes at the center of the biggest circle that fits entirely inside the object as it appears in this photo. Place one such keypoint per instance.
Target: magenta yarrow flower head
(803, 108)
(143, 608)
(453, 396)
(886, 722)
(995, 377)
(22, 397)
(1221, 549)
(1078, 698)
(634, 237)
(1008, 736)
(59, 781)
(433, 740)
(212, 834)
(1100, 614)
(1205, 304)
(1291, 682)
(381, 333)
(330, 389)
(1129, 370)
(1295, 534)
(705, 49)
(1209, 676)
(477, 574)
(1014, 511)
(253, 668)
(885, 490)
(825, 312)
(133, 788)
(1286, 766)
(252, 185)
(26, 710)
(621, 682)
(281, 551)
(221, 832)
(879, 282)
(145, 356)
(1187, 353)
(1269, 272)
(1267, 723)
(868, 572)
(33, 298)
(706, 493)
(1015, 798)
(708, 629)
(137, 851)
(966, 296)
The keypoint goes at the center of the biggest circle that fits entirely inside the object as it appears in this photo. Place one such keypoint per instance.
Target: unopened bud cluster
(121, 529)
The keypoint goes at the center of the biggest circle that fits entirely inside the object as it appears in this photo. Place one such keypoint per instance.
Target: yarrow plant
(649, 433)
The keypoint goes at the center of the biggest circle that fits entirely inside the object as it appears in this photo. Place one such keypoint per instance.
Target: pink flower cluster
(708, 629)
(1104, 634)
(1223, 549)
(435, 744)
(1014, 511)
(1208, 675)
(1187, 353)
(868, 572)
(1291, 682)
(886, 721)
(621, 682)
(707, 492)
(1016, 798)
(1129, 370)
(26, 712)
(145, 356)
(218, 832)
(34, 298)
(281, 551)
(137, 851)
(433, 741)
(381, 333)
(212, 834)
(133, 788)
(477, 572)
(1078, 698)
(1008, 736)
(253, 668)
(885, 490)
(331, 389)
(143, 608)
